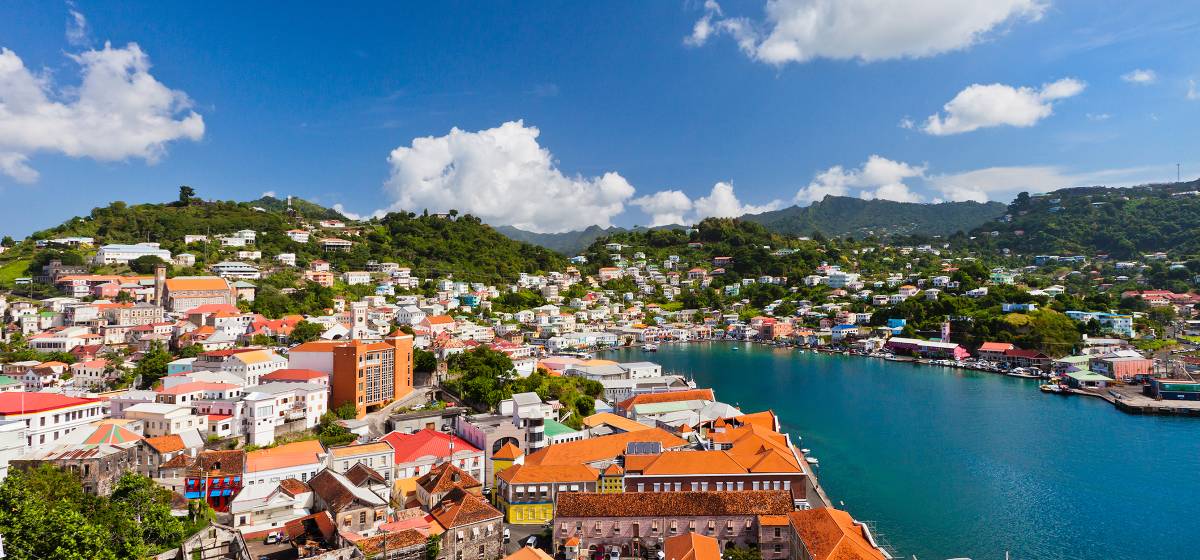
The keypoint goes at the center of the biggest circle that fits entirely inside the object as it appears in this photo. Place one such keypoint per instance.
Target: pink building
(641, 521)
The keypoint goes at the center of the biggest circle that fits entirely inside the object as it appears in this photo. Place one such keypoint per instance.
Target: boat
(649, 347)
(804, 451)
(1050, 388)
(734, 348)
(813, 461)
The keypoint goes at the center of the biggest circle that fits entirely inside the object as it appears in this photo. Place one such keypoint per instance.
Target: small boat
(813, 461)
(804, 451)
(650, 347)
(734, 348)
(1050, 388)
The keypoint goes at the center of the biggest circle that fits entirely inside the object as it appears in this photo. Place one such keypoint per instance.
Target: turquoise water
(951, 463)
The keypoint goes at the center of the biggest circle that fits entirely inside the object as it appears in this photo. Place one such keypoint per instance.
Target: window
(778, 534)
(362, 518)
(778, 548)
(678, 486)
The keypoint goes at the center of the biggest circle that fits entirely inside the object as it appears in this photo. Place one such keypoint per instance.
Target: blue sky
(574, 113)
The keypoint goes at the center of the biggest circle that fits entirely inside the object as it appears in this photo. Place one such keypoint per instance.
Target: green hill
(1122, 222)
(839, 216)
(755, 249)
(299, 207)
(432, 246)
(569, 242)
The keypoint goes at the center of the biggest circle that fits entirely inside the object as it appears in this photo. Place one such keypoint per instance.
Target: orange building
(368, 374)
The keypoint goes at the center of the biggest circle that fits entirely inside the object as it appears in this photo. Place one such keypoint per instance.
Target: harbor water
(953, 463)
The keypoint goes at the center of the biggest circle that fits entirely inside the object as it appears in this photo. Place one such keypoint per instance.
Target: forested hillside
(839, 216)
(461, 245)
(1122, 222)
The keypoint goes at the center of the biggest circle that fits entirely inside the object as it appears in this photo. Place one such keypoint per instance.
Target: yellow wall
(529, 514)
(499, 465)
(611, 485)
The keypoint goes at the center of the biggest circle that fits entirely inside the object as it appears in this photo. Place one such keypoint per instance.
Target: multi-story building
(417, 453)
(378, 455)
(160, 419)
(271, 406)
(637, 522)
(248, 363)
(354, 508)
(48, 417)
(213, 476)
(474, 529)
(364, 374)
(184, 293)
(527, 493)
(122, 254)
(301, 460)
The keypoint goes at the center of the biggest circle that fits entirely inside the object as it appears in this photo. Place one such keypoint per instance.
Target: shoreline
(1132, 403)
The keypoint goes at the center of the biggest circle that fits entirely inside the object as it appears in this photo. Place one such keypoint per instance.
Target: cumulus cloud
(665, 207)
(119, 111)
(982, 106)
(676, 207)
(1003, 183)
(721, 202)
(867, 30)
(879, 177)
(1140, 76)
(503, 176)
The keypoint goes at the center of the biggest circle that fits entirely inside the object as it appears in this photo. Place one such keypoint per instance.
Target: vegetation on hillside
(839, 216)
(46, 515)
(458, 245)
(485, 377)
(1121, 222)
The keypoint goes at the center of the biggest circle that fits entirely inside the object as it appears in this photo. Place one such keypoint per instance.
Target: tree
(153, 365)
(186, 194)
(738, 553)
(262, 340)
(483, 375)
(145, 264)
(424, 361)
(346, 411)
(305, 331)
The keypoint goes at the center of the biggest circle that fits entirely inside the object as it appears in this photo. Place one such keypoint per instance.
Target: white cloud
(982, 106)
(665, 207)
(879, 177)
(868, 30)
(77, 27)
(1003, 183)
(675, 207)
(119, 111)
(1140, 76)
(266, 194)
(503, 176)
(1098, 116)
(351, 215)
(721, 202)
(17, 167)
(1192, 93)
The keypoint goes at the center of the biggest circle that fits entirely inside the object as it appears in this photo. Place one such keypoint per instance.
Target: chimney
(160, 284)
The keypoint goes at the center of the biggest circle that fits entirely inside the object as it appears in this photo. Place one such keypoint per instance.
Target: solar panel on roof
(643, 448)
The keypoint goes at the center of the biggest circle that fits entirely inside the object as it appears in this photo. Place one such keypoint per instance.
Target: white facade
(122, 254)
(48, 416)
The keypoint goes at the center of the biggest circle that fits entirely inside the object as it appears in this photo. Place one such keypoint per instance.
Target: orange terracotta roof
(692, 546)
(831, 534)
(599, 448)
(507, 452)
(287, 455)
(528, 553)
(166, 444)
(533, 474)
(360, 449)
(197, 283)
(619, 422)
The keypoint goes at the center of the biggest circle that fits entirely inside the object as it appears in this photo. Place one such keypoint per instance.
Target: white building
(159, 419)
(356, 277)
(234, 269)
(48, 417)
(122, 254)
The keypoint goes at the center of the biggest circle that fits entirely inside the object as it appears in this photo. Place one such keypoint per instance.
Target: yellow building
(503, 458)
(612, 480)
(527, 493)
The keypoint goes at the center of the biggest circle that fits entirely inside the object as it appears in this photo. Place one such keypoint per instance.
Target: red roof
(995, 346)
(214, 308)
(410, 447)
(20, 402)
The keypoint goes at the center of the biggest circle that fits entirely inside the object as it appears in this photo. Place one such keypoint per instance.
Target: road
(377, 421)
